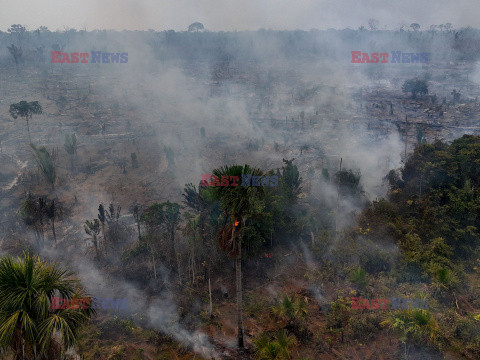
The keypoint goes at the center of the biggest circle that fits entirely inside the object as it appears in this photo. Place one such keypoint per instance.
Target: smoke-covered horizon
(231, 16)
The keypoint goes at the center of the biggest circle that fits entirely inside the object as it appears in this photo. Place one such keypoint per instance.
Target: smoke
(259, 96)
(476, 74)
(161, 311)
(229, 15)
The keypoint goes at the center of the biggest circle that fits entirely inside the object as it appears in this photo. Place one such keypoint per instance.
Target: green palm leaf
(27, 323)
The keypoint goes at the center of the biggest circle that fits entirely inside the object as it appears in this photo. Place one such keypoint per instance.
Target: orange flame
(237, 222)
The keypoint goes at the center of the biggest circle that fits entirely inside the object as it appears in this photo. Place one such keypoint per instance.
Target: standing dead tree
(71, 147)
(115, 229)
(92, 228)
(37, 212)
(33, 216)
(17, 53)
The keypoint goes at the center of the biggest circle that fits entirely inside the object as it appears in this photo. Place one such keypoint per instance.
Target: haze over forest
(372, 192)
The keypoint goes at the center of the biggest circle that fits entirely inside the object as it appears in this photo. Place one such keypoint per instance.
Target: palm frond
(27, 286)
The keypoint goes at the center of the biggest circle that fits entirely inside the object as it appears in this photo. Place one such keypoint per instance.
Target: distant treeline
(252, 46)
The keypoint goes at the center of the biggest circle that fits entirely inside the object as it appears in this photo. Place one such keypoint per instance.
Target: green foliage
(468, 331)
(140, 249)
(92, 228)
(374, 258)
(36, 212)
(32, 211)
(25, 110)
(207, 214)
(358, 276)
(239, 201)
(271, 215)
(161, 220)
(116, 325)
(277, 348)
(255, 234)
(339, 316)
(290, 309)
(433, 212)
(45, 162)
(420, 133)
(27, 322)
(364, 325)
(415, 86)
(291, 181)
(158, 214)
(70, 144)
(193, 199)
(417, 325)
(196, 26)
(348, 182)
(254, 304)
(112, 214)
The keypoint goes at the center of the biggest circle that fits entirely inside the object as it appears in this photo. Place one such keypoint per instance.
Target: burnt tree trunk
(238, 280)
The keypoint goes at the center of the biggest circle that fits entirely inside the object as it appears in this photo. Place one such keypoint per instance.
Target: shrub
(415, 86)
(417, 325)
(364, 325)
(339, 316)
(277, 348)
(468, 331)
(359, 277)
(290, 309)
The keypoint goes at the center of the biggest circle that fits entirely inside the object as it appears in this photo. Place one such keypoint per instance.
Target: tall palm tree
(239, 203)
(28, 326)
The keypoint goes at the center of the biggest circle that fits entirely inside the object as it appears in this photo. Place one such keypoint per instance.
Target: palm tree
(71, 147)
(239, 203)
(290, 310)
(417, 325)
(274, 349)
(33, 215)
(46, 162)
(28, 326)
(92, 228)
